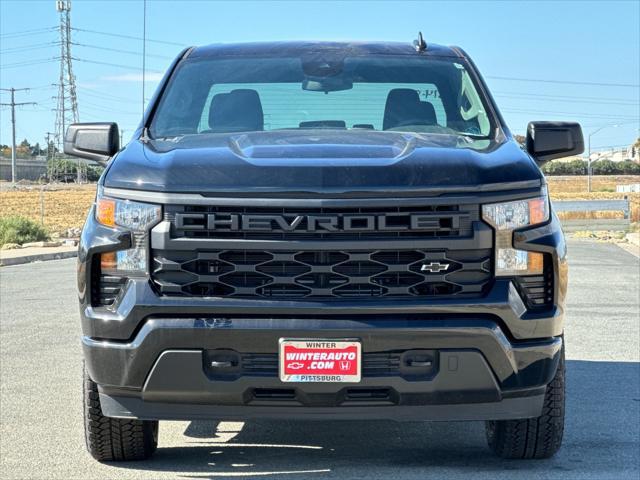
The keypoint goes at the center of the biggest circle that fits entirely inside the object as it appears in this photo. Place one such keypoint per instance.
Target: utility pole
(50, 167)
(67, 108)
(589, 168)
(49, 156)
(13, 105)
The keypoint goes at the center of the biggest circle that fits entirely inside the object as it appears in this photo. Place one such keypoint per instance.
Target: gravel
(41, 415)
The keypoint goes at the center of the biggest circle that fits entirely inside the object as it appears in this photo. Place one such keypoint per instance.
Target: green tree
(24, 149)
(605, 167)
(36, 150)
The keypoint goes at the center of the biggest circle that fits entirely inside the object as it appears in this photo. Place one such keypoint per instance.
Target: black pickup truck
(320, 230)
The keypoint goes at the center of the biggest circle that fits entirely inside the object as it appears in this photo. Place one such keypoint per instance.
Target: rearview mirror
(93, 141)
(549, 140)
(327, 84)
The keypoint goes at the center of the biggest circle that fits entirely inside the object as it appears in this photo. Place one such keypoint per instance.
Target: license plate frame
(305, 372)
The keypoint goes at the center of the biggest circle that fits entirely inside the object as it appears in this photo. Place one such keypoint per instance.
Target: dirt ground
(63, 206)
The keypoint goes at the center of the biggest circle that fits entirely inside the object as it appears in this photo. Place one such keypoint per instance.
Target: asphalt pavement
(41, 410)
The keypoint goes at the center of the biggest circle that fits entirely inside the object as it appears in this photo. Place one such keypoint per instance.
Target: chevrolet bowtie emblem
(434, 267)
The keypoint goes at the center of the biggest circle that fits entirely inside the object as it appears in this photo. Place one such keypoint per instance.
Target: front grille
(322, 274)
(439, 221)
(322, 252)
(373, 364)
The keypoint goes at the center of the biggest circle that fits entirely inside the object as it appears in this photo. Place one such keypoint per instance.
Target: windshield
(399, 93)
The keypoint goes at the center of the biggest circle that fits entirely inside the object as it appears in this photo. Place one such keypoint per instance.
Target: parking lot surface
(41, 407)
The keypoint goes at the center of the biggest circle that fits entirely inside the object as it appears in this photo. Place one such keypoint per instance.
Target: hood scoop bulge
(290, 150)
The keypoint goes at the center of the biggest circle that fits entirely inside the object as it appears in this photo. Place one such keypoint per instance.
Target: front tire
(115, 439)
(539, 437)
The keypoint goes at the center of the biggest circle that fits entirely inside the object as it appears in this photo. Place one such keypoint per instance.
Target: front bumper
(147, 353)
(479, 373)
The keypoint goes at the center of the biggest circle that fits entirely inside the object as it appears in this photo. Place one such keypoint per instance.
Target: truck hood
(321, 162)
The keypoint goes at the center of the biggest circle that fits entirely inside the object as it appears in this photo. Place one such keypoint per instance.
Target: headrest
(237, 111)
(404, 107)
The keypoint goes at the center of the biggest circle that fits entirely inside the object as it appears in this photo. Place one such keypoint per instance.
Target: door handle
(221, 364)
(414, 363)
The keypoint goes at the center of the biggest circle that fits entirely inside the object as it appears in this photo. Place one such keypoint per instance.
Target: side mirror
(549, 140)
(93, 141)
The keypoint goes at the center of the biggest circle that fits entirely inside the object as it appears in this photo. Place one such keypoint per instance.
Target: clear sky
(543, 60)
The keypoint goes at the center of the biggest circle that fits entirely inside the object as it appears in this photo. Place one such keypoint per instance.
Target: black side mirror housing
(549, 140)
(93, 141)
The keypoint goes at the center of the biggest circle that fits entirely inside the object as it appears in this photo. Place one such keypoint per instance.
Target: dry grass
(66, 206)
(603, 188)
(578, 184)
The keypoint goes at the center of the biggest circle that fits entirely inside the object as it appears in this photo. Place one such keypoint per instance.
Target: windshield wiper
(475, 136)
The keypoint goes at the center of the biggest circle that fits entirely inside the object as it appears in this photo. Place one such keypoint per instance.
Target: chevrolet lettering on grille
(314, 223)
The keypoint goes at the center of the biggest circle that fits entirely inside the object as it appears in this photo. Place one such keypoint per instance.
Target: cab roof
(285, 49)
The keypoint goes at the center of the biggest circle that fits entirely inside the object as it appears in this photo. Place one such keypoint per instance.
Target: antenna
(144, 50)
(420, 44)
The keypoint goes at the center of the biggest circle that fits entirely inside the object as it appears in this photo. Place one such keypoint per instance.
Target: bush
(574, 167)
(630, 168)
(67, 170)
(21, 230)
(603, 167)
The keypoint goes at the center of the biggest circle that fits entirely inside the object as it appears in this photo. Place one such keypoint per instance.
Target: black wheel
(115, 439)
(538, 437)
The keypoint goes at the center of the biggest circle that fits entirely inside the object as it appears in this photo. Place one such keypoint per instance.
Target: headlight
(517, 214)
(135, 216)
(505, 218)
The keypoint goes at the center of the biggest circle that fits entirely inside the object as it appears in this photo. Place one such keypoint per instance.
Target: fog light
(510, 261)
(108, 261)
(124, 262)
(132, 260)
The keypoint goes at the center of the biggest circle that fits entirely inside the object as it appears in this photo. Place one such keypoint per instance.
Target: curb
(42, 257)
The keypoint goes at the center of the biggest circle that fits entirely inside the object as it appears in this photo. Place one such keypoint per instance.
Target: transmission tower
(67, 107)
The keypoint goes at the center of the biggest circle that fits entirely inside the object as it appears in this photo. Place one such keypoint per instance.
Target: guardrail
(573, 225)
(632, 188)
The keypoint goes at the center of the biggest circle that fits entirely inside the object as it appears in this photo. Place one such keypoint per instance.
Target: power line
(112, 64)
(108, 95)
(117, 50)
(26, 48)
(42, 87)
(540, 98)
(564, 96)
(28, 63)
(106, 99)
(582, 114)
(23, 33)
(129, 37)
(94, 106)
(618, 123)
(567, 82)
(620, 145)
